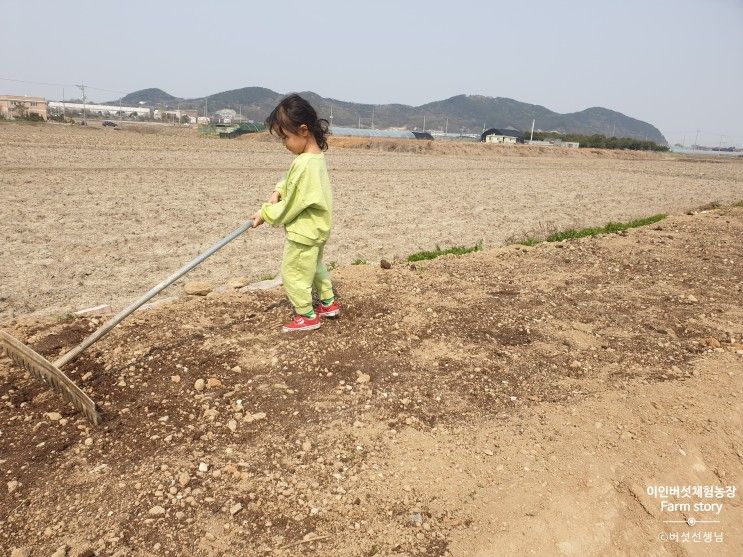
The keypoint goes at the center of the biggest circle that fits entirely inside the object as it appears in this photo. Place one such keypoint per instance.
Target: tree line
(598, 141)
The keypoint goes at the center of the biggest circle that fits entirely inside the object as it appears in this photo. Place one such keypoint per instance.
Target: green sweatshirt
(306, 201)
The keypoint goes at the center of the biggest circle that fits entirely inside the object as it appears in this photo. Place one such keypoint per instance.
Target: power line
(702, 133)
(37, 82)
(59, 85)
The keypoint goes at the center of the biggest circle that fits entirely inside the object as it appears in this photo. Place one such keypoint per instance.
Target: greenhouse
(361, 132)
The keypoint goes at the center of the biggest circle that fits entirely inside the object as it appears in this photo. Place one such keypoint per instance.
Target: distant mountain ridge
(149, 96)
(467, 113)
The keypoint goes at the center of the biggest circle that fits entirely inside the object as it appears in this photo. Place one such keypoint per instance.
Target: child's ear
(304, 130)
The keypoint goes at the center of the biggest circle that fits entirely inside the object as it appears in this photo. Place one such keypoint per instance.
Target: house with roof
(14, 106)
(502, 135)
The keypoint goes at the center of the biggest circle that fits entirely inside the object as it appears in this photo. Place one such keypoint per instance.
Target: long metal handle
(119, 317)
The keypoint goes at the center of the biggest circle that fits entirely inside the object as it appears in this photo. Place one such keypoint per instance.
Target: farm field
(508, 401)
(98, 216)
(514, 400)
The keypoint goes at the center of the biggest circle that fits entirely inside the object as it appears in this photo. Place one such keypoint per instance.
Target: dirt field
(512, 401)
(98, 216)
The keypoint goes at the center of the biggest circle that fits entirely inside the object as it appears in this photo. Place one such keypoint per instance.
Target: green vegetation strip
(611, 227)
(456, 250)
(598, 141)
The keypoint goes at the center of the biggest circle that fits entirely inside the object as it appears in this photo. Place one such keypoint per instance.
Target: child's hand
(257, 220)
(275, 197)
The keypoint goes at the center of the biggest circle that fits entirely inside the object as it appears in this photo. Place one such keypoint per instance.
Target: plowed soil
(95, 216)
(511, 401)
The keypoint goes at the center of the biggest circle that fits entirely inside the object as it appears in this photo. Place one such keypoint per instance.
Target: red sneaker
(302, 323)
(333, 310)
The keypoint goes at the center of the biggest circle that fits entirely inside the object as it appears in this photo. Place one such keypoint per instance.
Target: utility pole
(331, 115)
(82, 88)
(696, 140)
(359, 122)
(532, 130)
(63, 107)
(446, 128)
(372, 122)
(424, 122)
(121, 113)
(206, 105)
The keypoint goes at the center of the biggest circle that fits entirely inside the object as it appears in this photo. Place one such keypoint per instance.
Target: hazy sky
(677, 64)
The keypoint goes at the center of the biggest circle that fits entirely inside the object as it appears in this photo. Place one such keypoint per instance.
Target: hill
(152, 97)
(467, 113)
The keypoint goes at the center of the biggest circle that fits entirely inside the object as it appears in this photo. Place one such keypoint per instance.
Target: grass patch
(332, 265)
(266, 276)
(359, 262)
(738, 204)
(456, 250)
(609, 228)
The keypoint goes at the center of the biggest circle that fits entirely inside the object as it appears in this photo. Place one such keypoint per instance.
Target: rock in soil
(197, 288)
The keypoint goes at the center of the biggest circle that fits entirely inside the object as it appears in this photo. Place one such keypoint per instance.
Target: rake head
(43, 369)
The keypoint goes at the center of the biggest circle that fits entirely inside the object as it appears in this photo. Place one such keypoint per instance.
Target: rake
(51, 373)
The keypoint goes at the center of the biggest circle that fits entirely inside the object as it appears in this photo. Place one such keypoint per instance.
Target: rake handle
(119, 317)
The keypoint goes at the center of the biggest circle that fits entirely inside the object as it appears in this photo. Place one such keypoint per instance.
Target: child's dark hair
(291, 113)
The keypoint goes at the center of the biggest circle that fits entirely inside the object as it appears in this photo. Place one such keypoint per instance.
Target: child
(302, 202)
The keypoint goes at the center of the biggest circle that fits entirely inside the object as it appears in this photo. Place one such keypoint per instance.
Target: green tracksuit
(304, 210)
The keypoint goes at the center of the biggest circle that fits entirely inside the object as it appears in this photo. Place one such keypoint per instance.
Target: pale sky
(677, 64)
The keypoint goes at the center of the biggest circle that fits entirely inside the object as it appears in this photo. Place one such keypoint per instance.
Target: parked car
(109, 124)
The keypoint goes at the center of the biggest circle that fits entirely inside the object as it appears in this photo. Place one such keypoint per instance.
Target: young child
(302, 202)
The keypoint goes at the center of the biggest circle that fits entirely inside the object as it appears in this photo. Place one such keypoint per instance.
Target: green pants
(301, 269)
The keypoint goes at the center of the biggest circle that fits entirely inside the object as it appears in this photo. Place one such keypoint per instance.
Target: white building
(493, 138)
(553, 143)
(226, 116)
(175, 115)
(103, 110)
